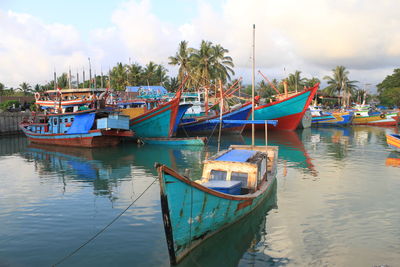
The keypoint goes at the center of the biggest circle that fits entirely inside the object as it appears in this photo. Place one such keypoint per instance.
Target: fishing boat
(393, 140)
(333, 119)
(87, 128)
(234, 182)
(70, 99)
(375, 118)
(208, 124)
(287, 111)
(158, 122)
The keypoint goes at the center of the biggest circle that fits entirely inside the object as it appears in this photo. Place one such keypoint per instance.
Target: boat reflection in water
(228, 246)
(393, 160)
(105, 167)
(291, 148)
(101, 167)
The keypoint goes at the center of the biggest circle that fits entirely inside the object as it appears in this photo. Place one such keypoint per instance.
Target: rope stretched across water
(102, 230)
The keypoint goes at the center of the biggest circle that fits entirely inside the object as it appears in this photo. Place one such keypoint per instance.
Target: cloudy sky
(312, 36)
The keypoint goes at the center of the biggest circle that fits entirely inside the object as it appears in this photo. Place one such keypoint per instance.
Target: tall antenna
(77, 79)
(83, 82)
(69, 78)
(253, 85)
(90, 74)
(55, 79)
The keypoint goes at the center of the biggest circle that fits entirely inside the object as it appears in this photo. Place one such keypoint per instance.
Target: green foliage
(391, 81)
(202, 66)
(389, 89)
(172, 84)
(340, 84)
(9, 104)
(295, 82)
(311, 82)
(390, 97)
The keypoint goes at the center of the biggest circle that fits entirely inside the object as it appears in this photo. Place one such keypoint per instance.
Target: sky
(313, 36)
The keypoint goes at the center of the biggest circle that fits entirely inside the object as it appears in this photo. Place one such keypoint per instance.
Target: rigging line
(102, 230)
(208, 139)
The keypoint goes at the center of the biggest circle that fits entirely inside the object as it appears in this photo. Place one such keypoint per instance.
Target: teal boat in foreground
(234, 182)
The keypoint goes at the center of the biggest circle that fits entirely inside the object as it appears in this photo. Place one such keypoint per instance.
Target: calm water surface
(336, 203)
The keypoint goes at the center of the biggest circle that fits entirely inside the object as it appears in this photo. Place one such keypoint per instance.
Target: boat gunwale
(315, 87)
(261, 189)
(207, 118)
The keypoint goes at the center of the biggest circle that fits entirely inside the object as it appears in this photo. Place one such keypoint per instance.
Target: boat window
(217, 175)
(66, 120)
(55, 121)
(240, 176)
(60, 120)
(72, 119)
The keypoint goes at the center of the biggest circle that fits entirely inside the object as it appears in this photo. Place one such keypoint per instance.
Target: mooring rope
(102, 230)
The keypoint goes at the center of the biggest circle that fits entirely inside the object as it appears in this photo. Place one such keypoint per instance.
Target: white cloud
(311, 35)
(30, 49)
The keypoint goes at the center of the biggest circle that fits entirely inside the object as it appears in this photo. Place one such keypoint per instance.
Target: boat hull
(377, 120)
(158, 122)
(192, 213)
(334, 119)
(94, 138)
(205, 126)
(288, 112)
(393, 140)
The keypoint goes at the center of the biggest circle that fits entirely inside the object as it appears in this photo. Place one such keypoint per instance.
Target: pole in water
(252, 86)
(221, 103)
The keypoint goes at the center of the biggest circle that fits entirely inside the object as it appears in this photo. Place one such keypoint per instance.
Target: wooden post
(252, 86)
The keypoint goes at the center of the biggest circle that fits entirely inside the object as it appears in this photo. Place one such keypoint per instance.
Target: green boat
(233, 183)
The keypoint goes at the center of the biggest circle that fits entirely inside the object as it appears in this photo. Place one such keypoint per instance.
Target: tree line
(204, 67)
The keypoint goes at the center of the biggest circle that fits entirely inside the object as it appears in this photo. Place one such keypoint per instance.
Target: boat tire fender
(382, 116)
(37, 96)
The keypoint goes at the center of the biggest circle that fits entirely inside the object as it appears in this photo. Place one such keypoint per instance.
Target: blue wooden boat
(208, 125)
(176, 141)
(88, 128)
(234, 182)
(333, 119)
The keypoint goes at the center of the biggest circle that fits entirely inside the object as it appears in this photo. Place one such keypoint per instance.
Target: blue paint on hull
(209, 125)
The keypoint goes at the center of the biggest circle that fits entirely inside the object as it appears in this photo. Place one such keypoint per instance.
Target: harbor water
(336, 203)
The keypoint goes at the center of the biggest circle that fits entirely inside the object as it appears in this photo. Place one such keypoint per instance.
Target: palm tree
(222, 65)
(340, 83)
(161, 74)
(62, 81)
(311, 82)
(202, 61)
(171, 84)
(295, 82)
(149, 73)
(118, 77)
(25, 88)
(182, 59)
(135, 74)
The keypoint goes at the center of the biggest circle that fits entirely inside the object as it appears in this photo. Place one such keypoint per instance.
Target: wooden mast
(252, 86)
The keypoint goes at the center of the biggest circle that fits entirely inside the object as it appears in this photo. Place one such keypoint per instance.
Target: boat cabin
(77, 122)
(238, 170)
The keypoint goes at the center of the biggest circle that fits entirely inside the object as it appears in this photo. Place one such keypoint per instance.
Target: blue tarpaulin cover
(147, 89)
(240, 155)
(82, 124)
